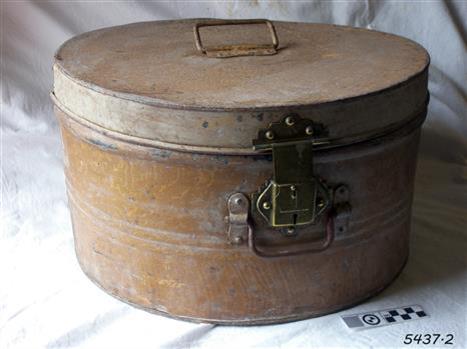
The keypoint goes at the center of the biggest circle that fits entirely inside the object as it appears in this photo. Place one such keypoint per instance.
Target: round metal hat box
(240, 172)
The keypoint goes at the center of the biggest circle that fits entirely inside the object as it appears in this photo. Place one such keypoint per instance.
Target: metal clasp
(241, 230)
(294, 196)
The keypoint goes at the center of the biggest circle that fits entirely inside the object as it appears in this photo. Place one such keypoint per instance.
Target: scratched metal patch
(384, 317)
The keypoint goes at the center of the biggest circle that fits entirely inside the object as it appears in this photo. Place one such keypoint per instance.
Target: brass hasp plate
(294, 196)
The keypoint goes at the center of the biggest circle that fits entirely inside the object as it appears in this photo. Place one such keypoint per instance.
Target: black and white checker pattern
(402, 314)
(384, 317)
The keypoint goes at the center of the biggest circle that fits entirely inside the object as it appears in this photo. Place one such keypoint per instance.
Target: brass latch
(294, 196)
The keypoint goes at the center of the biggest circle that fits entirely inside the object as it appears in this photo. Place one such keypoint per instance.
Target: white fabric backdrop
(46, 301)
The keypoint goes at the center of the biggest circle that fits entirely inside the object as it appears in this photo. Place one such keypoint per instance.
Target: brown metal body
(151, 217)
(149, 228)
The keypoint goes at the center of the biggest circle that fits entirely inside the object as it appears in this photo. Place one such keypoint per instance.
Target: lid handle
(238, 49)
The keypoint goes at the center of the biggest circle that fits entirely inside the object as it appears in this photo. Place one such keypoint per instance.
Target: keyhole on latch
(293, 191)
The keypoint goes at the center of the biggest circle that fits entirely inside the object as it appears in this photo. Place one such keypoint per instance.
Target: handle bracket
(238, 219)
(225, 51)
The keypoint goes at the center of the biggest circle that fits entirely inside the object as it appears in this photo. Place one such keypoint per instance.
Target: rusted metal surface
(161, 172)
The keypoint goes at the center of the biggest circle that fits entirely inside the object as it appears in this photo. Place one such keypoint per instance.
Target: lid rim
(177, 106)
(416, 119)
